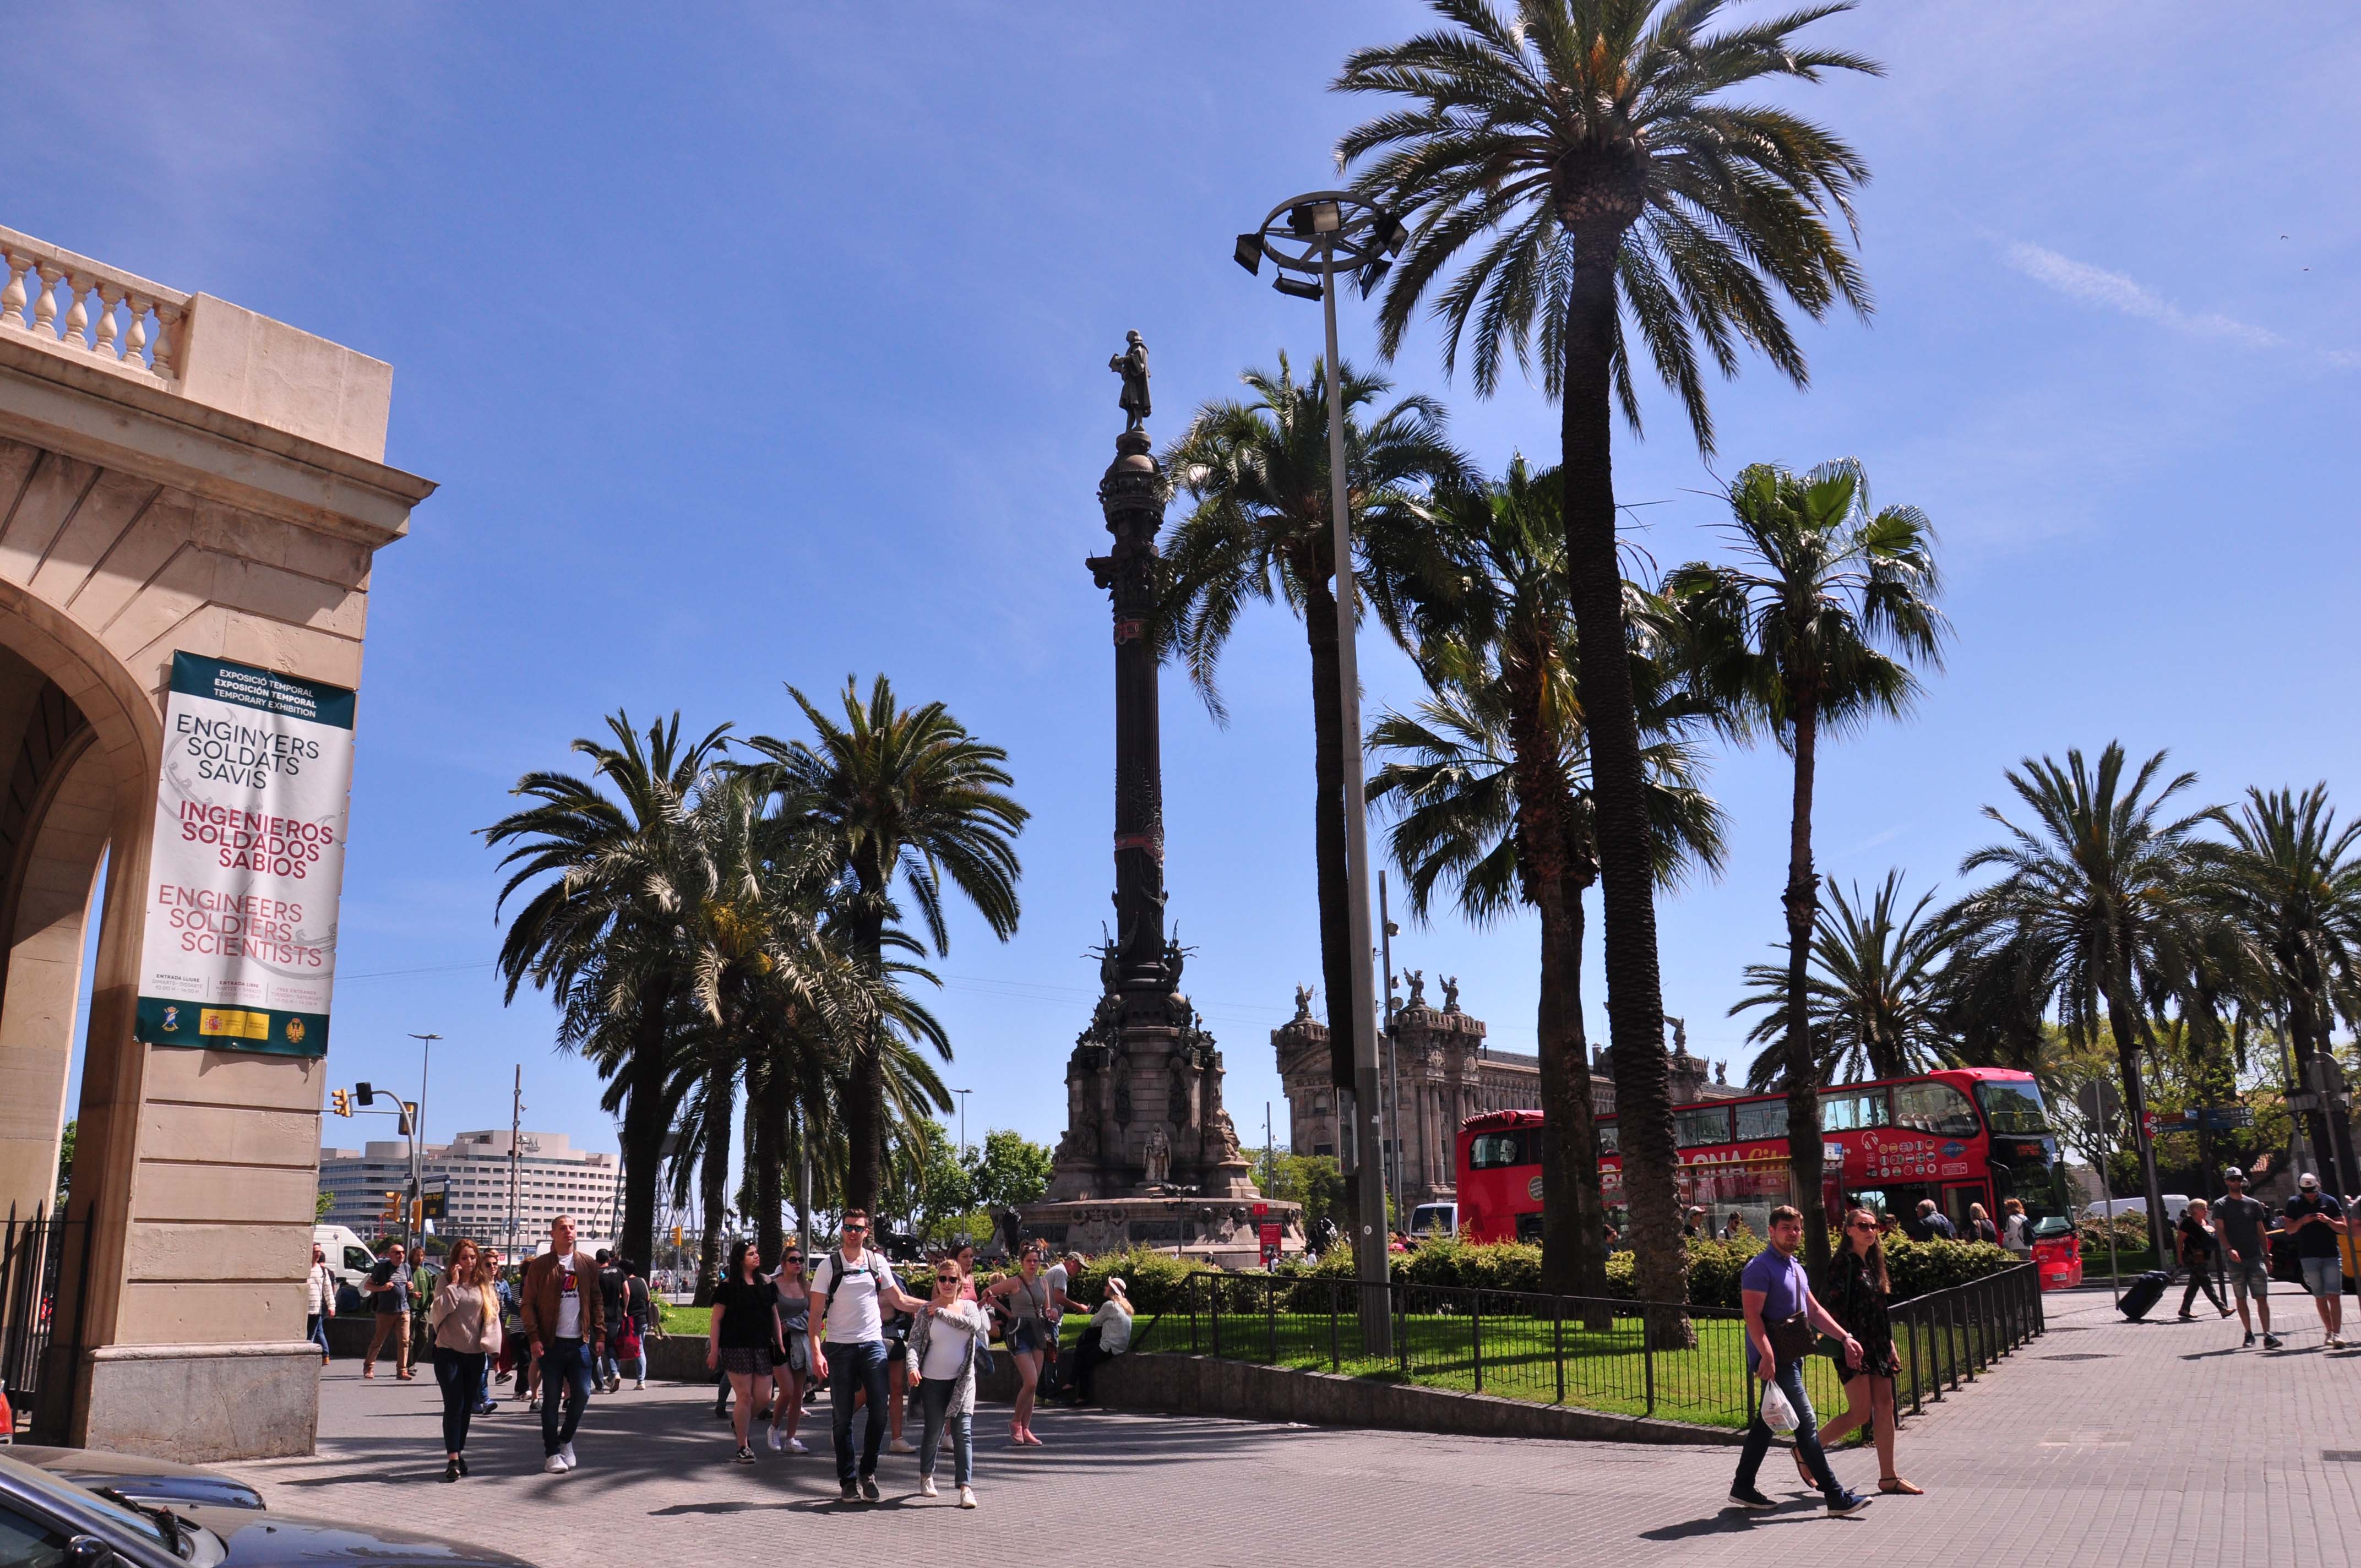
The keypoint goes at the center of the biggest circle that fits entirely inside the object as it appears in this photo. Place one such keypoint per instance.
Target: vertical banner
(249, 861)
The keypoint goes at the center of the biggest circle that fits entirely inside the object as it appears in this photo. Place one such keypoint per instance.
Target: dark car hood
(137, 1476)
(270, 1539)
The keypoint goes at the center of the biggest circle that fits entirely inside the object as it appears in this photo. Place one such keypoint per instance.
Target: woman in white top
(944, 1338)
(319, 1301)
(1108, 1335)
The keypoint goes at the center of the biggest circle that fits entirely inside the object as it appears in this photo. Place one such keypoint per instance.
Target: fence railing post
(1397, 1303)
(1558, 1343)
(1334, 1362)
(1917, 1339)
(1189, 1290)
(1213, 1311)
(1476, 1335)
(1648, 1357)
(1270, 1304)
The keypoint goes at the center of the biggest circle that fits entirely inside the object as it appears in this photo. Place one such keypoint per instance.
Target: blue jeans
(565, 1362)
(1807, 1437)
(461, 1374)
(856, 1369)
(934, 1407)
(316, 1329)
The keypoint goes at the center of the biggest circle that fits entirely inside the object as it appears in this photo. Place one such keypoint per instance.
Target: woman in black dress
(1855, 1289)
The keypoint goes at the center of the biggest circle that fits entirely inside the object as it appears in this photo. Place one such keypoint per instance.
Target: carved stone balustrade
(116, 318)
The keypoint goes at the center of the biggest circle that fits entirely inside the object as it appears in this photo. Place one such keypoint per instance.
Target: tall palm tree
(1582, 166)
(1812, 629)
(900, 795)
(2290, 878)
(1493, 793)
(602, 933)
(1874, 995)
(1256, 474)
(2098, 888)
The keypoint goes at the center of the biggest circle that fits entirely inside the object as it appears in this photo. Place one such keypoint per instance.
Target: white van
(1434, 1220)
(2174, 1204)
(348, 1258)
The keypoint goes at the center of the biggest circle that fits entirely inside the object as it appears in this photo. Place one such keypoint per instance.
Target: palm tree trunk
(1803, 902)
(713, 1175)
(2121, 1022)
(1328, 851)
(1636, 999)
(1574, 1216)
(769, 1125)
(864, 1090)
(2307, 1035)
(647, 1117)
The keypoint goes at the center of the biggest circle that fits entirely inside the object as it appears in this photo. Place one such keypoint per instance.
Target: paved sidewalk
(2101, 1444)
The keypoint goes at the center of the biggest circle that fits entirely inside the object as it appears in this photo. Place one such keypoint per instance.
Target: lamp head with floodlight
(1320, 234)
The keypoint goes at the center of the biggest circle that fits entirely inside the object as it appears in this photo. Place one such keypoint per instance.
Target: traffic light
(364, 1093)
(340, 1102)
(675, 1235)
(392, 1209)
(409, 1115)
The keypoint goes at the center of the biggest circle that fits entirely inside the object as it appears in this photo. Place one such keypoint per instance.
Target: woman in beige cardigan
(466, 1319)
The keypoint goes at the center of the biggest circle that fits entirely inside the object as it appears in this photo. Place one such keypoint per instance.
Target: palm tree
(2289, 879)
(897, 794)
(2099, 892)
(1582, 167)
(1493, 793)
(1874, 996)
(601, 935)
(1256, 474)
(1795, 639)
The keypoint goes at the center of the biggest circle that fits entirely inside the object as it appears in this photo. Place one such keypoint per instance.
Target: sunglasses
(856, 1226)
(1863, 1225)
(792, 1258)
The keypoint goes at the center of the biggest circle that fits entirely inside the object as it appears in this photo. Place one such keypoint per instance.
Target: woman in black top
(2199, 1247)
(745, 1338)
(1855, 1289)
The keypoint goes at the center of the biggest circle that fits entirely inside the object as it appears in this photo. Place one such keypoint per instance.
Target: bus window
(2012, 1107)
(1934, 1107)
(1610, 1141)
(1496, 1151)
(1849, 1110)
(1705, 1125)
(1762, 1119)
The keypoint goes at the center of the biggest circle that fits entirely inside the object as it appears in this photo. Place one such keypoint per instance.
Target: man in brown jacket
(562, 1319)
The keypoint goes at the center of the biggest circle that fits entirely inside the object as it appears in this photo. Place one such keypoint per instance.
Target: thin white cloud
(2127, 296)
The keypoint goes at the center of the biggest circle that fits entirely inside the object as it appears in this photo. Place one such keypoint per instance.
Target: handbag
(1791, 1338)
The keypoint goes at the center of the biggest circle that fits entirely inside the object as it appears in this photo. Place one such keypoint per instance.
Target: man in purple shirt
(1780, 1317)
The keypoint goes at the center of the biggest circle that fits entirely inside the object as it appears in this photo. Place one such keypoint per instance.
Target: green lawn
(1604, 1370)
(697, 1321)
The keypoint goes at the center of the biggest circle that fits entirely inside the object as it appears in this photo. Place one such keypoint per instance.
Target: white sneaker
(795, 1445)
(554, 1465)
(778, 1442)
(967, 1496)
(566, 1453)
(639, 1383)
(899, 1446)
(927, 1486)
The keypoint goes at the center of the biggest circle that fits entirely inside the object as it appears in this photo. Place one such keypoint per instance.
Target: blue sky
(761, 344)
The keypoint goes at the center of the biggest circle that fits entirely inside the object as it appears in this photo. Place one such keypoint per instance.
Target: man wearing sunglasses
(848, 1290)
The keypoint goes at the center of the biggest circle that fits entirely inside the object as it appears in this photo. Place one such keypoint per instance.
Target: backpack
(836, 1274)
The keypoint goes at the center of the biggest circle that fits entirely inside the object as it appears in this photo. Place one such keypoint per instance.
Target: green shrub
(1920, 1268)
(1153, 1279)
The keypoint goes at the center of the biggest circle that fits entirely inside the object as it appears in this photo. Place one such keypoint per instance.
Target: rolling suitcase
(2145, 1293)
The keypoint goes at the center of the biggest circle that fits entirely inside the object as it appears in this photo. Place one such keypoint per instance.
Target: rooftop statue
(1132, 366)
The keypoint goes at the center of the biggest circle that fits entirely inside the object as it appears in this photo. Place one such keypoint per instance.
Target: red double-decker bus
(1958, 1135)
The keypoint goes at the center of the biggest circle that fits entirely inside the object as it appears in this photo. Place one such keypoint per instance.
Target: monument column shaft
(1138, 755)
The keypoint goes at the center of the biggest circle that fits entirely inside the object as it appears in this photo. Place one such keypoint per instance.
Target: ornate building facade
(1443, 1072)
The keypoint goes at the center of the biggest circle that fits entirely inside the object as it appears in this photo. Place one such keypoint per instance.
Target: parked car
(140, 1478)
(2174, 1204)
(48, 1521)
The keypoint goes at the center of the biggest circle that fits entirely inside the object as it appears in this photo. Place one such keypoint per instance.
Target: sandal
(1895, 1485)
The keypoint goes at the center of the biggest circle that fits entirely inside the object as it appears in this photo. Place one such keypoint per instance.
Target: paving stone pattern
(2100, 1443)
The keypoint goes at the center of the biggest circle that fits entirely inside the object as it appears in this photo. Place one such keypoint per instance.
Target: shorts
(746, 1360)
(1024, 1336)
(2322, 1275)
(2250, 1278)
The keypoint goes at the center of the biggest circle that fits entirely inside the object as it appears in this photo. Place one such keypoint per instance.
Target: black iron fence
(38, 1255)
(1679, 1363)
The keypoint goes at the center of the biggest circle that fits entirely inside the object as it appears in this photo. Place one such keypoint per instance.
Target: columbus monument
(1150, 1157)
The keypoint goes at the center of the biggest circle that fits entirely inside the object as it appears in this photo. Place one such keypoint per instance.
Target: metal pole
(516, 1125)
(1393, 1054)
(963, 1093)
(418, 1139)
(1370, 1245)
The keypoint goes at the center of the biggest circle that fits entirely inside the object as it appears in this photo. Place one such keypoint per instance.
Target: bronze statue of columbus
(1132, 366)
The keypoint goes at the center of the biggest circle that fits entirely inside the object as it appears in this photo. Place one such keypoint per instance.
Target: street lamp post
(1311, 240)
(418, 1137)
(962, 1094)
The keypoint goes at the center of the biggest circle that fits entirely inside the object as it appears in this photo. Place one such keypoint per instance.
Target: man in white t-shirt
(1067, 1271)
(849, 1348)
(563, 1318)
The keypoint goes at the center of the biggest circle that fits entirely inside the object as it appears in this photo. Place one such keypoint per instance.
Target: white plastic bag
(1777, 1413)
